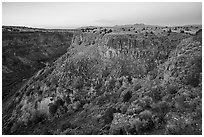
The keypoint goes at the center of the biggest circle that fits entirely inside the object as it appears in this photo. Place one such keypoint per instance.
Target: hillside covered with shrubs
(115, 83)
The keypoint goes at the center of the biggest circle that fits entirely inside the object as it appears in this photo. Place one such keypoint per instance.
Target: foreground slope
(115, 83)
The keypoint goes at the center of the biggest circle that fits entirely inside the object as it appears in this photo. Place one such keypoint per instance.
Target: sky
(73, 15)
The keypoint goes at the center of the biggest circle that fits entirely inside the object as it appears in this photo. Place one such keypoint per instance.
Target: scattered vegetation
(152, 85)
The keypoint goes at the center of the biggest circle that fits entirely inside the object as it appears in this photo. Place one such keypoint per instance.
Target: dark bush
(181, 31)
(53, 108)
(169, 31)
(93, 42)
(110, 30)
(59, 102)
(108, 115)
(127, 96)
(40, 92)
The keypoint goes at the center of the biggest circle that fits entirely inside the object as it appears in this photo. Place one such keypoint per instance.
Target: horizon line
(27, 26)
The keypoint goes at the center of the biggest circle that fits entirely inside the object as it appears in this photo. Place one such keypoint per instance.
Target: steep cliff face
(85, 38)
(114, 83)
